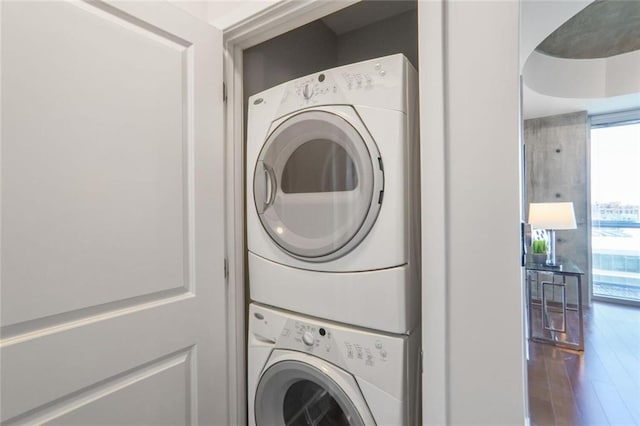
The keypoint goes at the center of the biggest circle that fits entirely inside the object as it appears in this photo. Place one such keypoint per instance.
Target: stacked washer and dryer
(333, 248)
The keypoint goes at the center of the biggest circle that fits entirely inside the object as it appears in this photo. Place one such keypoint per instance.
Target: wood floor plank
(541, 412)
(594, 366)
(616, 371)
(589, 407)
(613, 405)
(599, 386)
(590, 411)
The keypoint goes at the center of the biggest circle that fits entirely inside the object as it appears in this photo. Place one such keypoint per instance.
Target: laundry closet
(332, 198)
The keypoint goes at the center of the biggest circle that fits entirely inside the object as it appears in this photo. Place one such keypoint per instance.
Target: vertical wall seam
(447, 208)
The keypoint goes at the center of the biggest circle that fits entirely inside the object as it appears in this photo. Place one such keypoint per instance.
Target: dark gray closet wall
(305, 50)
(398, 34)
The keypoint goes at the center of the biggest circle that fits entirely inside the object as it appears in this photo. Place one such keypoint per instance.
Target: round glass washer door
(318, 184)
(293, 393)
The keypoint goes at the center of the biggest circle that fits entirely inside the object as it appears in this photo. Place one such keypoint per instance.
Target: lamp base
(556, 265)
(551, 254)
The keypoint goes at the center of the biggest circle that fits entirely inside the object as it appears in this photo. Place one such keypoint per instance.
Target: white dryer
(303, 371)
(332, 195)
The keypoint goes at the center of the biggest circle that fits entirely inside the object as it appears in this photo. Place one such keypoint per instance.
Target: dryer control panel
(310, 89)
(316, 89)
(374, 82)
(313, 87)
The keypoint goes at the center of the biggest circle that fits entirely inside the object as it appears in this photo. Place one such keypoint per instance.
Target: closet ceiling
(364, 13)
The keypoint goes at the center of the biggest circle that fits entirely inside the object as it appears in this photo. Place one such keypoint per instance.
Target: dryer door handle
(271, 186)
(264, 186)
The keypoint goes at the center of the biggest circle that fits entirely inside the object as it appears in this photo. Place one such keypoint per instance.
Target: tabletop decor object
(552, 217)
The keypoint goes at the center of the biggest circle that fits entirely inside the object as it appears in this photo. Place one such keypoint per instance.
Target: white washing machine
(332, 195)
(303, 371)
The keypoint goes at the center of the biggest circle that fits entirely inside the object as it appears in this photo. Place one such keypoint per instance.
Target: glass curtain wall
(615, 206)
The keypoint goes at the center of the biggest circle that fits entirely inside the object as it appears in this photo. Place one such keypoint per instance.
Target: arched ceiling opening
(590, 58)
(602, 29)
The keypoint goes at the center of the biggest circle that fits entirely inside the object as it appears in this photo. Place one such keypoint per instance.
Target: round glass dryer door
(296, 394)
(318, 185)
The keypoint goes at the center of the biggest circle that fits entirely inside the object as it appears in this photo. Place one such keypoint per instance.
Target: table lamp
(552, 217)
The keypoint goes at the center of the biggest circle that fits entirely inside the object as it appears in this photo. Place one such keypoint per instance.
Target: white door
(113, 291)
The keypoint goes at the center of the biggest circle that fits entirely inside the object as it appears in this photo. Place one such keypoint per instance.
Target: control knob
(308, 338)
(307, 92)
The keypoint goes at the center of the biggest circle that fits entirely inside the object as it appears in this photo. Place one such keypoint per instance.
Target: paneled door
(113, 289)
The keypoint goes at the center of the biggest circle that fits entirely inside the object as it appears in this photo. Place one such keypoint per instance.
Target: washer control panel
(379, 358)
(308, 337)
(335, 345)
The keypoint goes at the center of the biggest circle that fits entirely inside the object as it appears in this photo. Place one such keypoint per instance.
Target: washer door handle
(264, 186)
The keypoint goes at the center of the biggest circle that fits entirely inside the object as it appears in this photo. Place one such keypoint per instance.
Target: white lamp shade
(552, 216)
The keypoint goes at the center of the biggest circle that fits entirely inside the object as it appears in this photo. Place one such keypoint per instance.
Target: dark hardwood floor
(598, 387)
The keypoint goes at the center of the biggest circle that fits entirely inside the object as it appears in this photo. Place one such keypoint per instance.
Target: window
(615, 206)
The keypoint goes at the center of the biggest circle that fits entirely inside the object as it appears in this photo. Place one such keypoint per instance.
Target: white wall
(486, 359)
(225, 13)
(583, 78)
(472, 282)
(222, 13)
(198, 8)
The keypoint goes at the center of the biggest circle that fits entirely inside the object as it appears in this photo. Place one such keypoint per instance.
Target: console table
(554, 303)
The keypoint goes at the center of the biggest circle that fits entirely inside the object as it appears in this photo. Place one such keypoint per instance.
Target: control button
(377, 66)
(321, 78)
(258, 315)
(349, 349)
(383, 73)
(322, 331)
(378, 344)
(308, 339)
(383, 353)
